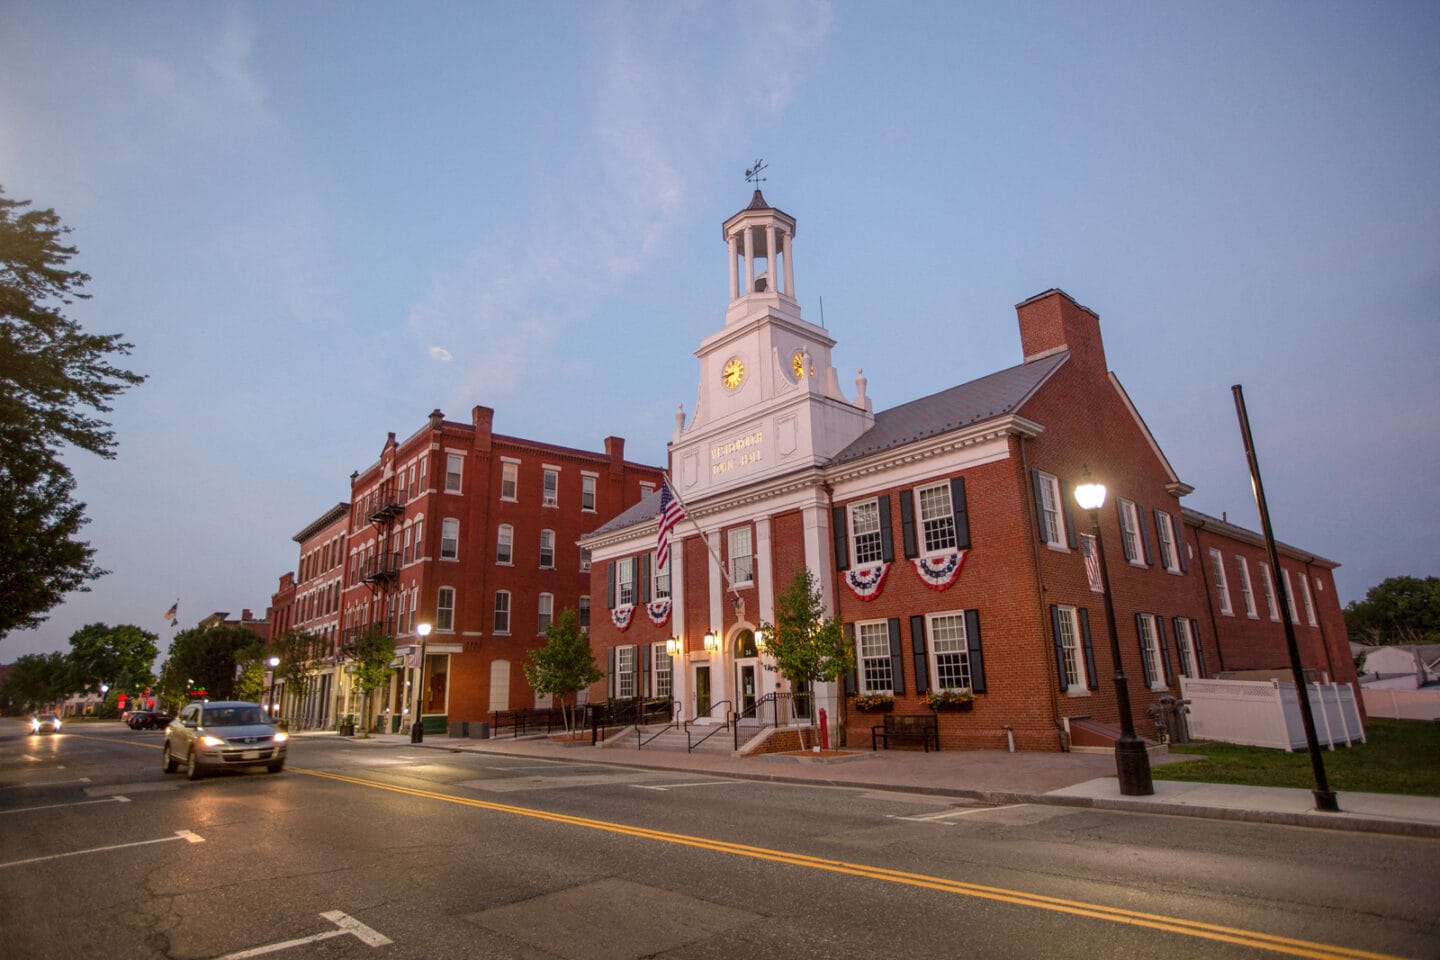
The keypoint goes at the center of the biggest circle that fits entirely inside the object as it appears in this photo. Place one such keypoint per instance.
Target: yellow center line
(1192, 928)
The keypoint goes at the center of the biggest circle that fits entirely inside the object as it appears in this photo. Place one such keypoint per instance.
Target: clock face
(732, 373)
(797, 363)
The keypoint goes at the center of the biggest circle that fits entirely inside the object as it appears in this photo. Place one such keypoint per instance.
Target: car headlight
(210, 741)
(281, 736)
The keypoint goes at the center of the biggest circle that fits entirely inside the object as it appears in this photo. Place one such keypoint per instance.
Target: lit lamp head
(712, 642)
(760, 640)
(672, 647)
(422, 630)
(274, 662)
(1090, 495)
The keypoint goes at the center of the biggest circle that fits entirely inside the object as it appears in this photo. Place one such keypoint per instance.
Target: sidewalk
(991, 776)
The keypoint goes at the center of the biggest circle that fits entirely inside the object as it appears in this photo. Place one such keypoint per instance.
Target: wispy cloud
(441, 354)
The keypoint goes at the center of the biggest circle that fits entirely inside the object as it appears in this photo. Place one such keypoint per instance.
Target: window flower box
(873, 702)
(962, 701)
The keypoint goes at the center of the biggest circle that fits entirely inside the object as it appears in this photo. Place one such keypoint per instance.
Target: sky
(317, 222)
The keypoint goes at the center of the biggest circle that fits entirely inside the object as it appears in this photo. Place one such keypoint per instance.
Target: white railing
(1402, 704)
(1266, 713)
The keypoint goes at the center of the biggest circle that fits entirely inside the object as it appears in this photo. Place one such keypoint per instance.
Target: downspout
(1050, 669)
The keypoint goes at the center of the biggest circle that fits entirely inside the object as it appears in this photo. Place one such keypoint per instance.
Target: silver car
(223, 733)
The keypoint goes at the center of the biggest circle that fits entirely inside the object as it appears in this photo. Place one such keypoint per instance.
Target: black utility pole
(1324, 797)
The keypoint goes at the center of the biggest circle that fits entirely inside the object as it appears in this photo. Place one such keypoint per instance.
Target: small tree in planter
(370, 653)
(807, 646)
(565, 664)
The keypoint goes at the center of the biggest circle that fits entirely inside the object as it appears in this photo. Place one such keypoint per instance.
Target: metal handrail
(728, 717)
(674, 722)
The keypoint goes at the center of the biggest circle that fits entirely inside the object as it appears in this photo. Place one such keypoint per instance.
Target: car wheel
(192, 766)
(276, 767)
(168, 760)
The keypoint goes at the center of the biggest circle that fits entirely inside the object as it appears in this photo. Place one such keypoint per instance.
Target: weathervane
(753, 174)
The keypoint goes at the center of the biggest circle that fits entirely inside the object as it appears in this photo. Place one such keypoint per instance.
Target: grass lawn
(1400, 756)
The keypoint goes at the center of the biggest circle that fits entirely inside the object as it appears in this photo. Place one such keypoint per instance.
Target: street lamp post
(1132, 761)
(104, 691)
(417, 724)
(274, 662)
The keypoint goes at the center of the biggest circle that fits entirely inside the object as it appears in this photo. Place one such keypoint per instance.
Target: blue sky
(317, 222)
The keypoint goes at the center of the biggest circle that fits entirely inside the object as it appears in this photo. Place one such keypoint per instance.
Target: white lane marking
(674, 786)
(47, 783)
(77, 803)
(948, 814)
(179, 835)
(346, 924)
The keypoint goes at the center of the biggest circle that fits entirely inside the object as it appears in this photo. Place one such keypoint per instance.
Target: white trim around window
(948, 650)
(509, 479)
(872, 657)
(501, 619)
(1222, 586)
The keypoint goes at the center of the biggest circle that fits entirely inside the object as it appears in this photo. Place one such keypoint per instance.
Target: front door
(745, 683)
(702, 691)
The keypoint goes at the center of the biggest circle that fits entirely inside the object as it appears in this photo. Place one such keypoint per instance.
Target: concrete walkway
(1067, 779)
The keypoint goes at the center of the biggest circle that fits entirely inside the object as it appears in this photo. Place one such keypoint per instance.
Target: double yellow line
(1191, 928)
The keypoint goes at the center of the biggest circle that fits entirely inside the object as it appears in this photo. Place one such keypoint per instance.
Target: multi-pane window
(742, 559)
(1222, 586)
(1268, 583)
(1092, 563)
(449, 539)
(1169, 543)
(584, 559)
(454, 465)
(1068, 622)
(1150, 651)
(502, 611)
(1130, 533)
(546, 611)
(550, 495)
(547, 549)
(625, 581)
(505, 545)
(1247, 592)
(509, 480)
(1290, 597)
(625, 671)
(582, 613)
(1309, 602)
(867, 545)
(587, 494)
(419, 538)
(874, 657)
(937, 518)
(1052, 518)
(949, 651)
(662, 578)
(663, 672)
(445, 609)
(410, 492)
(1185, 646)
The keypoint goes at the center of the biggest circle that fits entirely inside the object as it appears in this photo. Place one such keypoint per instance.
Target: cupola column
(734, 290)
(749, 262)
(789, 273)
(771, 264)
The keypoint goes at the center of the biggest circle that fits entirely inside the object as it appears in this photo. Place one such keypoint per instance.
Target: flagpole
(704, 539)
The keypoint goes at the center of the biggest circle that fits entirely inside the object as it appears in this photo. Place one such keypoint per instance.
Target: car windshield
(232, 716)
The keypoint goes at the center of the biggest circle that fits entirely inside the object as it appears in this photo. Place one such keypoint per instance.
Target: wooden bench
(924, 727)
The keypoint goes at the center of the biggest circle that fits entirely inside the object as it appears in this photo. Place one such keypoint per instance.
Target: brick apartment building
(943, 532)
(470, 531)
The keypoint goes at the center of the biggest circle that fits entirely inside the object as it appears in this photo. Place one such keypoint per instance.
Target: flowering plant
(873, 701)
(940, 699)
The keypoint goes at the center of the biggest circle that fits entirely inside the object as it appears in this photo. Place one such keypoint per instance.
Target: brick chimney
(615, 453)
(1052, 320)
(483, 420)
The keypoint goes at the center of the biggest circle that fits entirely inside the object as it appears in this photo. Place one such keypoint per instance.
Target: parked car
(211, 735)
(44, 723)
(148, 719)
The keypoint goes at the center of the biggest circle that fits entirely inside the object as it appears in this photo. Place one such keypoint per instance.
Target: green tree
(121, 656)
(565, 665)
(807, 646)
(1397, 610)
(371, 654)
(54, 378)
(208, 658)
(299, 651)
(36, 680)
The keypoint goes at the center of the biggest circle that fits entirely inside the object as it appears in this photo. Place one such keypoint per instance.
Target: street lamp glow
(274, 662)
(1090, 495)
(417, 724)
(422, 629)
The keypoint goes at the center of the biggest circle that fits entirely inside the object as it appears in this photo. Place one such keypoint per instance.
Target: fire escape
(381, 572)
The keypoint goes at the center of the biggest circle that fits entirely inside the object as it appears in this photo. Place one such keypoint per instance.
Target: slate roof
(647, 509)
(990, 396)
(1226, 528)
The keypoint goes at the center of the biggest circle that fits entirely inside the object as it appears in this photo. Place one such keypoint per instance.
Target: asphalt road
(364, 851)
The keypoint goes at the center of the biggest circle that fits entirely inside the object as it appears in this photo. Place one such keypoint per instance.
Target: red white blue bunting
(658, 611)
(939, 571)
(867, 582)
(621, 615)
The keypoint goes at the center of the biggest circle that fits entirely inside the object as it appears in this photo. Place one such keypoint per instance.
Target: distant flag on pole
(173, 613)
(671, 513)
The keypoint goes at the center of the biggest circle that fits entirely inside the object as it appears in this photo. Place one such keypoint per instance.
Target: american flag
(671, 513)
(1092, 563)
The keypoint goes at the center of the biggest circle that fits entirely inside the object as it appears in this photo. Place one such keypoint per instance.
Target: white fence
(1266, 713)
(1402, 704)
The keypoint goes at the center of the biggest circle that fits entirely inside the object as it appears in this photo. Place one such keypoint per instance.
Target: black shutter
(1120, 519)
(1159, 516)
(842, 539)
(610, 684)
(977, 658)
(907, 523)
(1144, 536)
(851, 686)
(917, 651)
(1065, 500)
(1180, 550)
(1092, 676)
(1059, 648)
(1195, 639)
(962, 513)
(887, 536)
(1039, 486)
(644, 652)
(1166, 670)
(1140, 636)
(644, 592)
(610, 584)
(897, 658)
